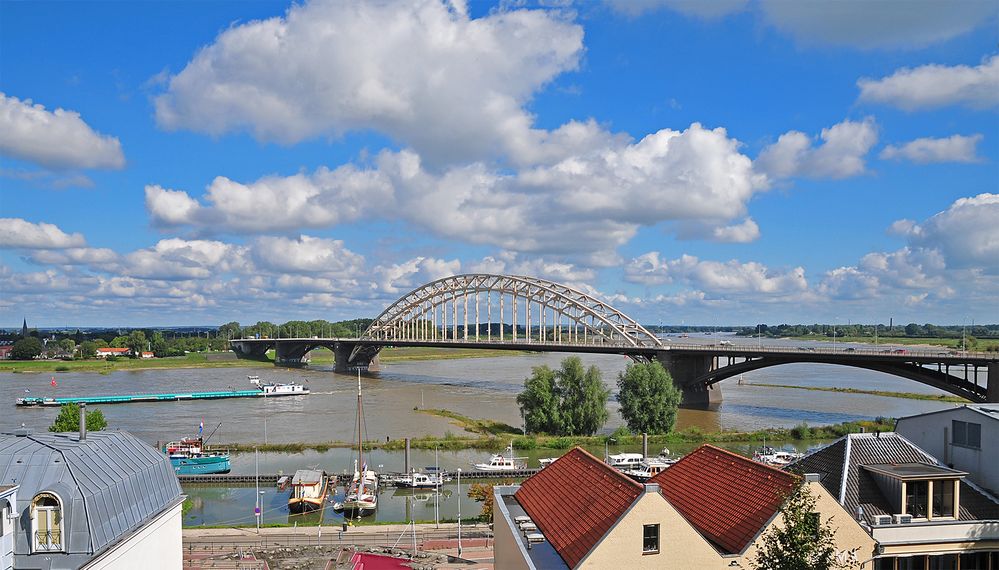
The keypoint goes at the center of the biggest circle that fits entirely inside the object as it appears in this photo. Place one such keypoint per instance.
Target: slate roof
(575, 501)
(110, 484)
(839, 466)
(728, 498)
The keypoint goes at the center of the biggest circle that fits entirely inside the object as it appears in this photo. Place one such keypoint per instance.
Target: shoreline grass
(885, 393)
(451, 442)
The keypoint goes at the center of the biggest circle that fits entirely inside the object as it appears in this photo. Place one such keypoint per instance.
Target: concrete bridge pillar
(254, 350)
(290, 354)
(992, 391)
(342, 363)
(685, 369)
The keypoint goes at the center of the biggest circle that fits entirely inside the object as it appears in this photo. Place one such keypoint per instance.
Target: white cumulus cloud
(866, 25)
(437, 80)
(840, 155)
(306, 254)
(933, 85)
(54, 139)
(966, 233)
(715, 276)
(955, 148)
(19, 233)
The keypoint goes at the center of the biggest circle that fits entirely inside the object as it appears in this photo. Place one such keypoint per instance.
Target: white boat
(362, 493)
(648, 469)
(625, 460)
(776, 457)
(503, 461)
(418, 480)
(546, 461)
(286, 389)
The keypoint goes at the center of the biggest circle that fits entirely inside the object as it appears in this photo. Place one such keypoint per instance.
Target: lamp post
(459, 511)
(256, 471)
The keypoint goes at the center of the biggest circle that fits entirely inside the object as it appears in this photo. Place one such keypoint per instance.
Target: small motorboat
(648, 469)
(419, 480)
(625, 461)
(546, 461)
(776, 457)
(505, 461)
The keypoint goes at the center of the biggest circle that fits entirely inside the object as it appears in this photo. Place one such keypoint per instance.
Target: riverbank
(952, 343)
(906, 395)
(228, 360)
(495, 437)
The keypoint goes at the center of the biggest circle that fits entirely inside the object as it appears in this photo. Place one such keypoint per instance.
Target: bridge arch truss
(467, 308)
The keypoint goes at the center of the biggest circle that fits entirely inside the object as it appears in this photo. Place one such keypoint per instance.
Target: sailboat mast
(360, 448)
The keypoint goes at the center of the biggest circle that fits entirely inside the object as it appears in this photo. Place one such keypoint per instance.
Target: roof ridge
(606, 467)
(747, 459)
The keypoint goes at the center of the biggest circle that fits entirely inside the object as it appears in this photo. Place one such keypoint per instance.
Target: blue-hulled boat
(189, 458)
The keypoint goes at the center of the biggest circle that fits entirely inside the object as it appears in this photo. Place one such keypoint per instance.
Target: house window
(966, 434)
(650, 539)
(943, 498)
(916, 498)
(46, 522)
(813, 523)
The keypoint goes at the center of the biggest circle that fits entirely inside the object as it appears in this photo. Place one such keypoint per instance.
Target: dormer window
(919, 490)
(46, 523)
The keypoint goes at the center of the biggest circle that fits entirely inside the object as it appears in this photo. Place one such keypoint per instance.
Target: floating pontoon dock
(135, 398)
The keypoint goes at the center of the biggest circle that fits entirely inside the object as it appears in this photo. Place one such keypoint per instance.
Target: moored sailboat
(362, 493)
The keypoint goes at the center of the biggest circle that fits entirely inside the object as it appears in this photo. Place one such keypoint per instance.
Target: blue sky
(735, 161)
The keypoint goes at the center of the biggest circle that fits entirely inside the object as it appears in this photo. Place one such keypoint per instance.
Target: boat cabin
(625, 460)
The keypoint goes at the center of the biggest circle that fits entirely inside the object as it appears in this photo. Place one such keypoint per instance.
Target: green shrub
(801, 431)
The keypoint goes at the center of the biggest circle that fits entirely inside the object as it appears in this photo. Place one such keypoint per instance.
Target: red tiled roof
(726, 497)
(109, 349)
(575, 500)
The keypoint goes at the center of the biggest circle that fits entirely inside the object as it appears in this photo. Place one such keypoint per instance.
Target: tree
(69, 419)
(804, 542)
(483, 493)
(538, 402)
(28, 348)
(158, 344)
(230, 330)
(136, 342)
(88, 349)
(68, 345)
(567, 401)
(583, 408)
(648, 398)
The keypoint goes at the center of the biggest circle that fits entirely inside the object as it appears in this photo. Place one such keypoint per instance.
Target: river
(477, 387)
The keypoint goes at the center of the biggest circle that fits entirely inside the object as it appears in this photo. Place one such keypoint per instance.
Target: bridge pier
(685, 369)
(291, 355)
(992, 391)
(250, 350)
(341, 359)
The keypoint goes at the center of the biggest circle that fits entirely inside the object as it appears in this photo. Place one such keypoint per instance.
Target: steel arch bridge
(564, 313)
(514, 312)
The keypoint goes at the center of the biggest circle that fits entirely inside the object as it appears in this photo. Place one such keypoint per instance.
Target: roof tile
(726, 497)
(575, 501)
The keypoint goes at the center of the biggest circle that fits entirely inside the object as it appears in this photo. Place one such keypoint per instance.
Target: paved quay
(330, 547)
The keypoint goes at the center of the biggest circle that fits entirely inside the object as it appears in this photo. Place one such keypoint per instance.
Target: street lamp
(459, 511)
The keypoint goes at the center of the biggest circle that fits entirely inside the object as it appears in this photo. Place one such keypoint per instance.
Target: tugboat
(308, 491)
(287, 389)
(189, 458)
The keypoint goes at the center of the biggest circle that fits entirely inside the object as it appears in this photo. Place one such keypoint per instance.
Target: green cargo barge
(266, 390)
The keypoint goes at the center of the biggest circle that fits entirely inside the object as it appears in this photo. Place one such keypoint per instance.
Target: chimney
(83, 421)
(645, 445)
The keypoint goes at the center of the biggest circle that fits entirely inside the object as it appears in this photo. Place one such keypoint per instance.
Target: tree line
(911, 330)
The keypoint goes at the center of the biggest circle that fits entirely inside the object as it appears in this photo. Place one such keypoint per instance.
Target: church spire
(24, 329)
